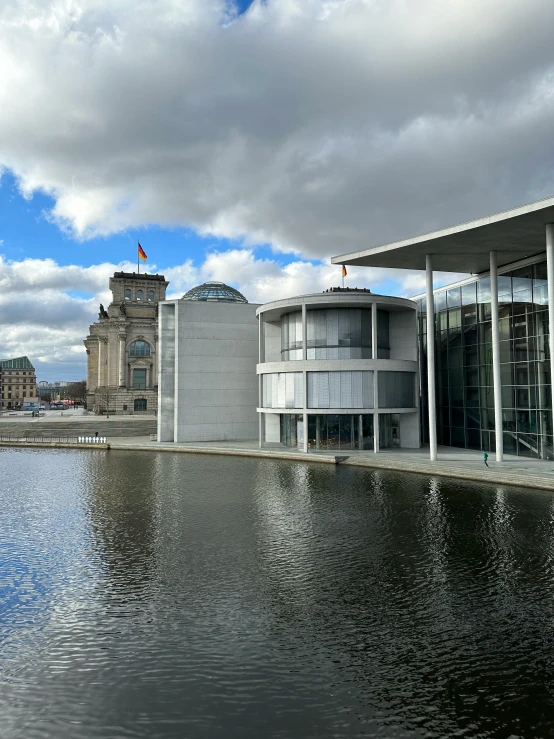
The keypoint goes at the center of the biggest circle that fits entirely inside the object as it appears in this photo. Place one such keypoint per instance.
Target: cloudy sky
(250, 142)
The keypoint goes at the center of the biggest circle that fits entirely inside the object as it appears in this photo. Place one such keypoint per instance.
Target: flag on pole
(141, 253)
(344, 272)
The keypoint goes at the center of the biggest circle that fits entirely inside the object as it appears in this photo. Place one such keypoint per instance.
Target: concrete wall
(272, 427)
(409, 431)
(166, 372)
(403, 335)
(272, 341)
(216, 387)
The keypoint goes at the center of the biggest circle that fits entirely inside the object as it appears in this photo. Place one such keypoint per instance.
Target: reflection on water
(169, 595)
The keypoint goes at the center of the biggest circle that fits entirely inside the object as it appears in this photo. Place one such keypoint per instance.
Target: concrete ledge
(53, 445)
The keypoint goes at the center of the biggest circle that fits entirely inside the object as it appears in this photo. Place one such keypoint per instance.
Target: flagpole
(138, 260)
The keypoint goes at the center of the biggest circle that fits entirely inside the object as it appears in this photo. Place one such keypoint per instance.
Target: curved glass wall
(328, 432)
(352, 389)
(334, 333)
(282, 390)
(291, 336)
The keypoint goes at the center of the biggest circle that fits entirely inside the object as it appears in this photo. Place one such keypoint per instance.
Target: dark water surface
(172, 595)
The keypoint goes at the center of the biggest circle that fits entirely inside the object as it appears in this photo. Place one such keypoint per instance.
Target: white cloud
(315, 126)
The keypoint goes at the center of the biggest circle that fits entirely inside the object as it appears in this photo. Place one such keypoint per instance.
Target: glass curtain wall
(337, 333)
(463, 350)
(340, 432)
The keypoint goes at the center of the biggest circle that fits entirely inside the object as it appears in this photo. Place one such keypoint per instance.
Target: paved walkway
(452, 462)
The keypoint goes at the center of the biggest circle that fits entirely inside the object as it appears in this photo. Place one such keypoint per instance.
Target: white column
(100, 362)
(431, 400)
(550, 278)
(304, 334)
(260, 393)
(305, 376)
(121, 360)
(497, 388)
(375, 378)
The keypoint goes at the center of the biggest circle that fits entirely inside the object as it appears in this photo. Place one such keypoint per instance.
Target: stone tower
(122, 347)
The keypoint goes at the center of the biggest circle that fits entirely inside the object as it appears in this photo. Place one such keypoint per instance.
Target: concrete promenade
(463, 464)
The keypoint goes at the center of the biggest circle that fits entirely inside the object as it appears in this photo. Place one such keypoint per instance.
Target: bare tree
(76, 391)
(103, 398)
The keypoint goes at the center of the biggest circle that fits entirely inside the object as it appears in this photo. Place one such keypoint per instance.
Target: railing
(18, 438)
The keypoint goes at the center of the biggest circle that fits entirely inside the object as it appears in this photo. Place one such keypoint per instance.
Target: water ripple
(180, 596)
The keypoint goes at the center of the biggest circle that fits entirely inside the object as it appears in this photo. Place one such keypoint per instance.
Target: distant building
(208, 355)
(18, 383)
(122, 353)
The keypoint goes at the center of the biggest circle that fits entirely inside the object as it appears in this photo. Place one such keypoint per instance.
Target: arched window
(151, 296)
(139, 349)
(140, 404)
(140, 295)
(127, 294)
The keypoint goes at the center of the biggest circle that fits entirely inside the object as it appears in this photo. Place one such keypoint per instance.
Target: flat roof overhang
(514, 234)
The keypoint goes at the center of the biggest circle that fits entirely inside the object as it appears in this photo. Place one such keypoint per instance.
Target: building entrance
(389, 430)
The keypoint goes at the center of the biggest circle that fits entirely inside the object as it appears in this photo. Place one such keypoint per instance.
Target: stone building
(122, 347)
(18, 382)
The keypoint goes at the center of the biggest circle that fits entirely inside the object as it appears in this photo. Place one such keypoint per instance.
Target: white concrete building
(208, 349)
(339, 371)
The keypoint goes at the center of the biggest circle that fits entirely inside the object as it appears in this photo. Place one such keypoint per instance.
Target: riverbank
(463, 464)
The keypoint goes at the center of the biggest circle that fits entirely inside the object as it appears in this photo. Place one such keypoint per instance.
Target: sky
(249, 143)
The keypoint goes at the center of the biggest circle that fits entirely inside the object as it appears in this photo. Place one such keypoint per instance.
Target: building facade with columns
(485, 342)
(338, 371)
(122, 347)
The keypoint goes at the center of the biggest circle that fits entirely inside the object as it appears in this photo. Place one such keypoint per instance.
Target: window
(139, 349)
(127, 294)
(140, 404)
(151, 296)
(140, 295)
(139, 379)
(282, 390)
(340, 389)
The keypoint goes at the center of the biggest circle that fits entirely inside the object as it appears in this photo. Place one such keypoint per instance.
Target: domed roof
(215, 291)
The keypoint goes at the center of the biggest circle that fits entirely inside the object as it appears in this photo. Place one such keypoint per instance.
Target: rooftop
(514, 234)
(17, 363)
(215, 291)
(138, 276)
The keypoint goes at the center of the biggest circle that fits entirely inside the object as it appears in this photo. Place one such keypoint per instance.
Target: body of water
(177, 595)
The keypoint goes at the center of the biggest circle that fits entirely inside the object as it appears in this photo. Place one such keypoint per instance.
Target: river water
(176, 595)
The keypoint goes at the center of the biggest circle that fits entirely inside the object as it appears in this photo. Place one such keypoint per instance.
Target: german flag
(344, 272)
(141, 253)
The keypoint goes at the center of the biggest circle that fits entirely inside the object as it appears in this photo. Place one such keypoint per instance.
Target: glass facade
(396, 389)
(328, 432)
(346, 389)
(282, 390)
(337, 333)
(463, 355)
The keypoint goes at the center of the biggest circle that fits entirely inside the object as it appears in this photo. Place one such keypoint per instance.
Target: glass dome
(215, 291)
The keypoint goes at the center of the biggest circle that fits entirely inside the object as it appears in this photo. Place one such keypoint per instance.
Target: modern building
(18, 383)
(208, 349)
(122, 352)
(487, 374)
(339, 371)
